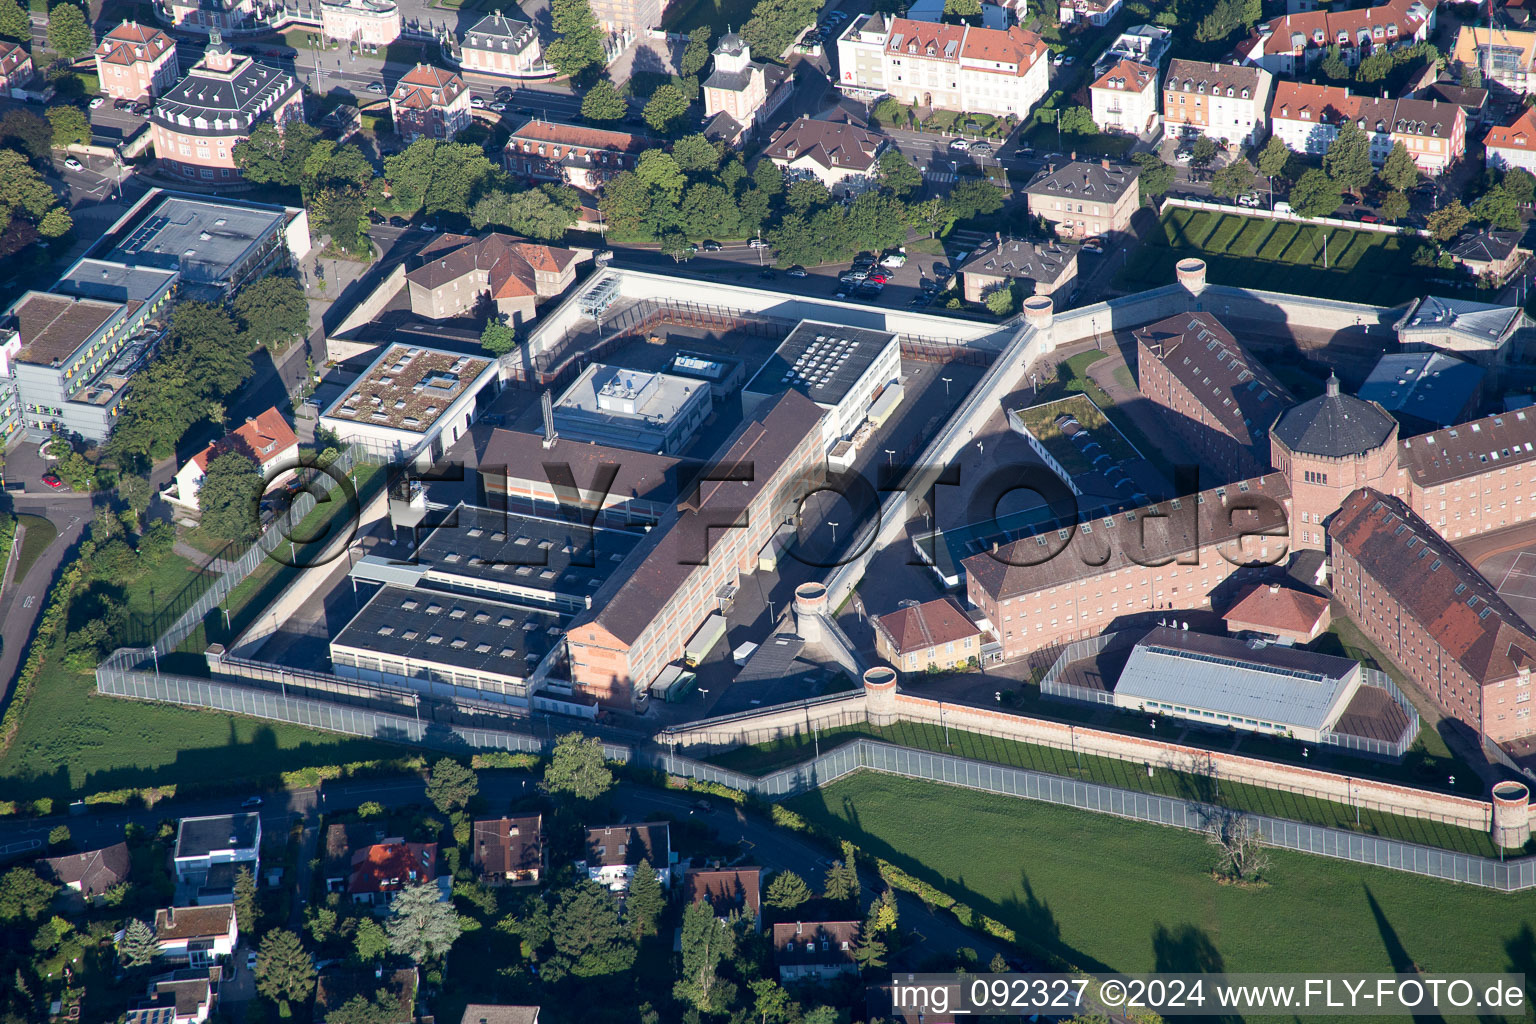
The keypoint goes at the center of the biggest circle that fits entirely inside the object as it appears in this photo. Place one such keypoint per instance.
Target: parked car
(122, 104)
(1250, 200)
(980, 149)
(477, 102)
(757, 243)
(1057, 59)
(960, 146)
(713, 247)
(504, 92)
(251, 801)
(1094, 247)
(399, 222)
(97, 101)
(73, 164)
(798, 271)
(878, 278)
(377, 88)
(767, 274)
(1183, 156)
(894, 260)
(498, 106)
(52, 480)
(1283, 207)
(142, 109)
(1367, 217)
(1069, 60)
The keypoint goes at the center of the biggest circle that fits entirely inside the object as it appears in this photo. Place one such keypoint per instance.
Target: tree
(769, 177)
(580, 43)
(15, 23)
(869, 951)
(771, 1003)
(273, 156)
(229, 496)
(1348, 160)
(1202, 152)
(666, 107)
(369, 941)
(1394, 206)
(695, 54)
(1273, 157)
(971, 199)
(1000, 300)
(138, 946)
(246, 916)
(69, 35)
(284, 971)
(787, 891)
(660, 172)
(1156, 176)
(929, 216)
(1521, 185)
(775, 24)
(136, 492)
(1224, 18)
(452, 785)
(22, 128)
(532, 213)
(498, 338)
(645, 901)
(695, 154)
(1446, 223)
(876, 222)
(1233, 180)
(273, 311)
(842, 878)
(383, 1008)
(1374, 67)
(421, 926)
(1471, 76)
(577, 767)
(59, 834)
(1497, 208)
(806, 194)
(207, 335)
(602, 103)
(706, 943)
(898, 173)
(338, 212)
(1241, 855)
(69, 125)
(1399, 171)
(962, 8)
(590, 941)
(1315, 194)
(435, 177)
(1077, 120)
(1333, 64)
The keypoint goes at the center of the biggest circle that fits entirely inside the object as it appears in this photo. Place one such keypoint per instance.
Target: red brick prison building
(1433, 614)
(1218, 399)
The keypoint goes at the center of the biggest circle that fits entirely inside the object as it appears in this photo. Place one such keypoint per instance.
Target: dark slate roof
(230, 102)
(1334, 425)
(1486, 246)
(1080, 179)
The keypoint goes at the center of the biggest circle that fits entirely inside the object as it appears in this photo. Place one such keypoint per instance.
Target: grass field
(1363, 266)
(764, 758)
(1040, 420)
(1106, 893)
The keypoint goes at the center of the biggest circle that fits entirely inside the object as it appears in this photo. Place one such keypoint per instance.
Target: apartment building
(1213, 394)
(136, 62)
(1512, 145)
(1038, 268)
(929, 636)
(1087, 12)
(502, 44)
(16, 68)
(642, 618)
(1124, 98)
(574, 154)
(1226, 103)
(839, 154)
(1433, 614)
(1306, 117)
(1505, 57)
(430, 103)
(1292, 43)
(198, 122)
(1084, 199)
(365, 22)
(949, 67)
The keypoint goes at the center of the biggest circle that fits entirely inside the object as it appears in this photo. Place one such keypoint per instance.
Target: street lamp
(834, 530)
(947, 381)
(890, 456)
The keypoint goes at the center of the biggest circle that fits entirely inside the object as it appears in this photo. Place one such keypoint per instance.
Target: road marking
(27, 603)
(938, 179)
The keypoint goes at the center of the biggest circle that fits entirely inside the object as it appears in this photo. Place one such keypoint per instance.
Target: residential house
(383, 869)
(572, 154)
(91, 873)
(1082, 199)
(266, 440)
(336, 857)
(1090, 12)
(815, 950)
(509, 851)
(1512, 145)
(1124, 98)
(1505, 58)
(429, 103)
(728, 891)
(457, 272)
(935, 634)
(1292, 43)
(1307, 117)
(502, 44)
(197, 123)
(1003, 72)
(1038, 269)
(740, 94)
(204, 842)
(1279, 612)
(494, 1013)
(198, 935)
(614, 851)
(16, 68)
(840, 154)
(338, 985)
(1472, 100)
(1226, 103)
(1490, 255)
(136, 62)
(181, 997)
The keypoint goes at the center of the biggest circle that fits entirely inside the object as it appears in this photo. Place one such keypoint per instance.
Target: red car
(52, 480)
(877, 278)
(1366, 217)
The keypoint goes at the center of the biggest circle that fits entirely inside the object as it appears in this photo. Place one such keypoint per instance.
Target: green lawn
(1106, 893)
(40, 533)
(1040, 420)
(1363, 266)
(1130, 775)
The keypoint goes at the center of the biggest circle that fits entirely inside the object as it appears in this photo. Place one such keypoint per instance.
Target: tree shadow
(1401, 961)
(1188, 949)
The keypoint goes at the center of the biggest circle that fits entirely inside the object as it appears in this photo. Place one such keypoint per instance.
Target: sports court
(1514, 574)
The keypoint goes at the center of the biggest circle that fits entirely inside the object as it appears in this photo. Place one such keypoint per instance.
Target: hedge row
(49, 630)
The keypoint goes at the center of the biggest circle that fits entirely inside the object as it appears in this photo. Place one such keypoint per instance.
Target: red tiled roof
(261, 437)
(827, 143)
(1330, 104)
(801, 942)
(1015, 46)
(510, 263)
(1436, 586)
(1193, 74)
(726, 889)
(387, 867)
(1272, 607)
(1137, 77)
(426, 86)
(921, 626)
(1395, 20)
(130, 42)
(555, 133)
(942, 40)
(1520, 135)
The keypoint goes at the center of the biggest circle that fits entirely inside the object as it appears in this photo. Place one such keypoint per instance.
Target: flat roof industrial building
(636, 409)
(411, 399)
(839, 368)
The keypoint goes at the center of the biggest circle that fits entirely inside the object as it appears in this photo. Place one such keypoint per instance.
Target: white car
(1182, 156)
(375, 87)
(894, 260)
(73, 164)
(478, 102)
(98, 101)
(960, 146)
(1058, 59)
